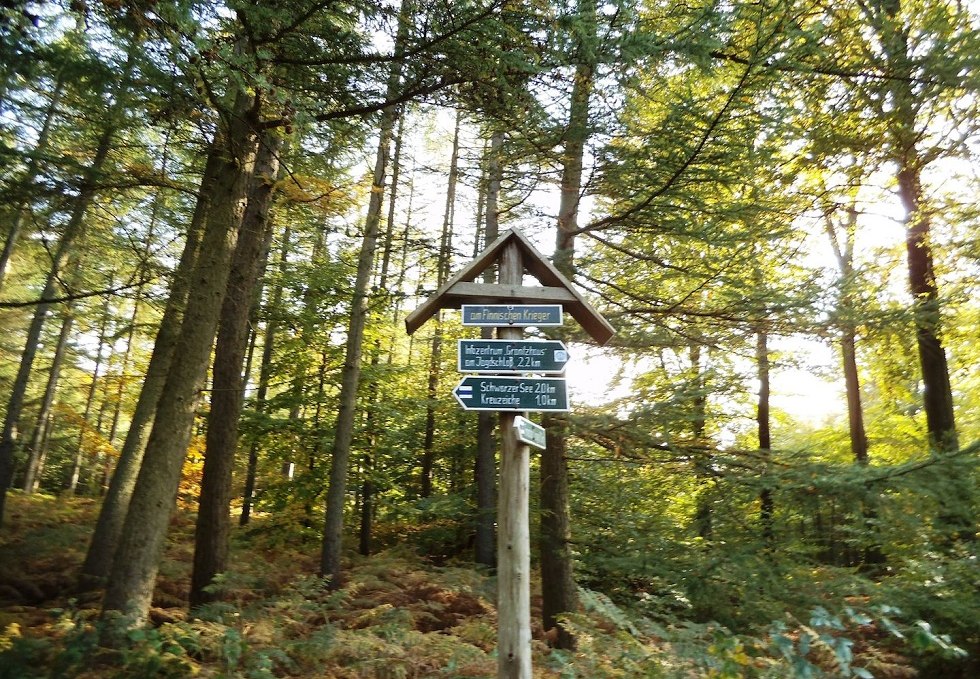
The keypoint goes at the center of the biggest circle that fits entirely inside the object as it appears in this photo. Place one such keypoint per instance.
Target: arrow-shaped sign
(505, 356)
(515, 394)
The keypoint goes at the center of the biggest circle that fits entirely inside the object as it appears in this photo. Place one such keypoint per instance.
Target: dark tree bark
(958, 511)
(130, 587)
(766, 506)
(213, 526)
(703, 518)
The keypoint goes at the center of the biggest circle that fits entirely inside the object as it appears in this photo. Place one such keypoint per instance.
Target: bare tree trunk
(369, 458)
(98, 558)
(958, 512)
(213, 526)
(844, 253)
(76, 471)
(351, 373)
(265, 374)
(435, 357)
(762, 420)
(72, 231)
(40, 149)
(31, 477)
(557, 580)
(141, 542)
(138, 297)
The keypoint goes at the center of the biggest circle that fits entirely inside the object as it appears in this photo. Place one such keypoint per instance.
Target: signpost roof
(556, 289)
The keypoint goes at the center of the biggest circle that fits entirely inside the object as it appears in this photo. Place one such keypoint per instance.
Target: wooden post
(514, 540)
(513, 253)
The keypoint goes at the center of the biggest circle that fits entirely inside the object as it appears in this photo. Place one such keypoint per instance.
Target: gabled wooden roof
(555, 289)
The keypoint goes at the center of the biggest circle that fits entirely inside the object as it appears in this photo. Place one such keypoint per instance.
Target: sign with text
(516, 315)
(501, 356)
(528, 432)
(517, 394)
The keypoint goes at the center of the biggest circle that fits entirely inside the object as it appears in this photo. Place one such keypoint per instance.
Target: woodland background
(215, 216)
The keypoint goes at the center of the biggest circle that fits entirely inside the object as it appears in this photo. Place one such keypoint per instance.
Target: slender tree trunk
(105, 538)
(844, 253)
(40, 149)
(702, 510)
(762, 420)
(138, 297)
(350, 375)
(843, 247)
(435, 358)
(557, 580)
(70, 234)
(330, 565)
(76, 470)
(47, 400)
(485, 471)
(141, 542)
(213, 515)
(265, 374)
(373, 421)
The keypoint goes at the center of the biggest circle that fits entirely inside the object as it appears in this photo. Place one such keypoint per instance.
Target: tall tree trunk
(702, 458)
(105, 538)
(843, 247)
(213, 526)
(958, 512)
(485, 471)
(70, 234)
(435, 357)
(762, 420)
(886, 18)
(330, 565)
(140, 293)
(558, 593)
(369, 459)
(141, 542)
(31, 476)
(76, 470)
(265, 374)
(40, 149)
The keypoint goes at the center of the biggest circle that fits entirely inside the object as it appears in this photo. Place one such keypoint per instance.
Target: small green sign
(528, 432)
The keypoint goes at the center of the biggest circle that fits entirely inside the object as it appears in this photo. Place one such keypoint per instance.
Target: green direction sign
(502, 356)
(517, 394)
(528, 432)
(515, 315)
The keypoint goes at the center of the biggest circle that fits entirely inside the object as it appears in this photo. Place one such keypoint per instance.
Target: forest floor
(397, 617)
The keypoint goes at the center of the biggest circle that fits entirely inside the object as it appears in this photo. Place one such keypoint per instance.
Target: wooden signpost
(509, 306)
